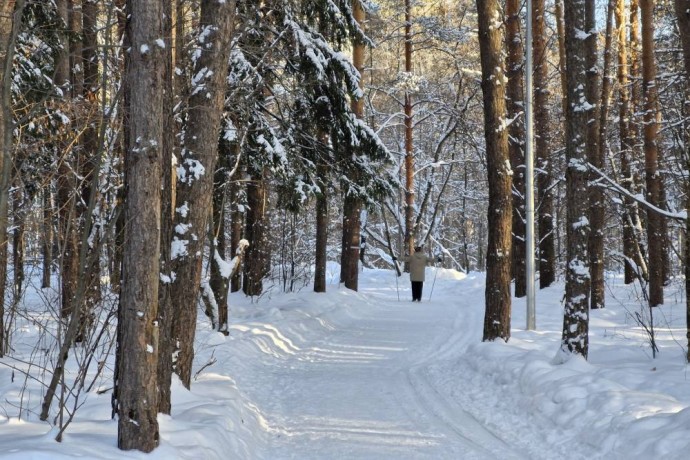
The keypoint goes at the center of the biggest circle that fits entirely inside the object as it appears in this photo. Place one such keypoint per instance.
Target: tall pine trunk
(497, 294)
(683, 15)
(516, 143)
(237, 218)
(218, 282)
(409, 145)
(595, 157)
(91, 149)
(349, 269)
(47, 243)
(195, 174)
(321, 226)
(66, 184)
(655, 222)
(257, 258)
(10, 21)
(575, 338)
(547, 248)
(635, 264)
(165, 312)
(138, 330)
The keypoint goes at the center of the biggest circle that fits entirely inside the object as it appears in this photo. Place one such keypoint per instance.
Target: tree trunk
(547, 249)
(595, 157)
(10, 23)
(516, 143)
(560, 31)
(321, 232)
(218, 282)
(195, 174)
(497, 295)
(86, 21)
(575, 338)
(636, 106)
(65, 186)
(683, 15)
(47, 251)
(349, 268)
(76, 66)
(67, 234)
(237, 218)
(138, 328)
(630, 244)
(256, 259)
(409, 147)
(20, 204)
(165, 312)
(655, 222)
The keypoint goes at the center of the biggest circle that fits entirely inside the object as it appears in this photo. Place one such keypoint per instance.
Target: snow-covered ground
(363, 375)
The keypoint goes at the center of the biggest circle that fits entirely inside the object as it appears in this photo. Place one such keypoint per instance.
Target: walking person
(418, 262)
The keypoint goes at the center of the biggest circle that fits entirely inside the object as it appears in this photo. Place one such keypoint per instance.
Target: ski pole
(433, 284)
(396, 278)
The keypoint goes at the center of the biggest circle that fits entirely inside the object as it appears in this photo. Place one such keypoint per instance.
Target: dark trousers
(417, 290)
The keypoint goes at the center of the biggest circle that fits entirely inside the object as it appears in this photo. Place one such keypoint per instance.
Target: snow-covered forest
(174, 173)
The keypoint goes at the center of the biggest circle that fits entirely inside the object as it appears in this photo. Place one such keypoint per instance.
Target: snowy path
(361, 390)
(355, 376)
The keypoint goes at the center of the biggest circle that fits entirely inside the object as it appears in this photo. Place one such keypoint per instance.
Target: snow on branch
(622, 190)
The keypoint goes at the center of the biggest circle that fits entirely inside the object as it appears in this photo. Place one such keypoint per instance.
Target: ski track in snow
(364, 392)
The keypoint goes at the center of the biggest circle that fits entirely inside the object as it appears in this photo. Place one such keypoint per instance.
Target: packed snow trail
(358, 390)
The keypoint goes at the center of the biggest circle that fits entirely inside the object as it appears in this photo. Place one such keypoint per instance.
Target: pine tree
(682, 8)
(516, 142)
(10, 20)
(575, 338)
(498, 304)
(547, 250)
(656, 228)
(136, 382)
(195, 173)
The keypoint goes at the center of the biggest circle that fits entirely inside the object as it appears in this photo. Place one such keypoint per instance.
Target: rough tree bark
(497, 294)
(321, 227)
(632, 251)
(66, 183)
(547, 247)
(257, 257)
(655, 222)
(683, 15)
(195, 174)
(87, 76)
(165, 313)
(217, 282)
(409, 142)
(575, 337)
(349, 267)
(237, 218)
(594, 156)
(10, 22)
(138, 329)
(516, 142)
